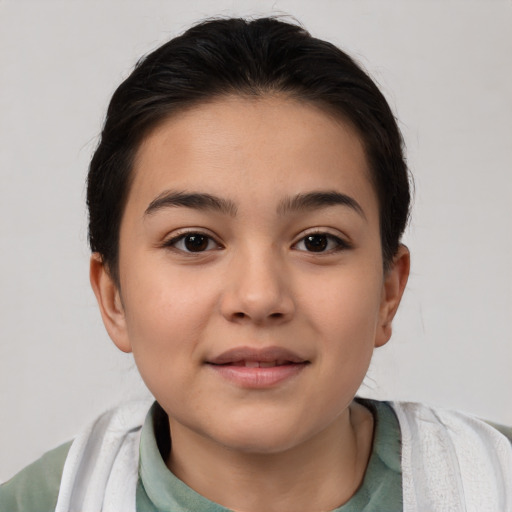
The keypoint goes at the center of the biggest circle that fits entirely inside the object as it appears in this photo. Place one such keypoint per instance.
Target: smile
(257, 368)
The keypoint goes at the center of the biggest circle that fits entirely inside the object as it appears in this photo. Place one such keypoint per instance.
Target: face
(251, 285)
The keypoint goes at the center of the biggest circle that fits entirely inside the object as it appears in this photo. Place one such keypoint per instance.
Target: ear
(110, 303)
(393, 288)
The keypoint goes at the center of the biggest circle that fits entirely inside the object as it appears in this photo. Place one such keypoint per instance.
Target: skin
(301, 444)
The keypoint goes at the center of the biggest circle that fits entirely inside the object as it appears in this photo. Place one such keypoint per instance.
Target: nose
(258, 290)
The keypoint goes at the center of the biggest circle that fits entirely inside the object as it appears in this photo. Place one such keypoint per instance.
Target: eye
(192, 242)
(321, 242)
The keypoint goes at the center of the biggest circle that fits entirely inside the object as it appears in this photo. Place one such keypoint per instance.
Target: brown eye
(321, 242)
(315, 243)
(192, 242)
(195, 242)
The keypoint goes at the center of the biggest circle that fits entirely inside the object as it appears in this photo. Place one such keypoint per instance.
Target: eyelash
(174, 241)
(340, 244)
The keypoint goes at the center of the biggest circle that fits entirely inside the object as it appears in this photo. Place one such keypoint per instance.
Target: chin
(260, 444)
(260, 438)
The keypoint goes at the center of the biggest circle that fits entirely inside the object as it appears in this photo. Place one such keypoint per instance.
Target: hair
(250, 58)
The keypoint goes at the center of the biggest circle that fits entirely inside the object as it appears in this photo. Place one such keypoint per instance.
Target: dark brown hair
(251, 58)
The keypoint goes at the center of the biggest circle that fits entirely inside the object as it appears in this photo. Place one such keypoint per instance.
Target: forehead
(252, 147)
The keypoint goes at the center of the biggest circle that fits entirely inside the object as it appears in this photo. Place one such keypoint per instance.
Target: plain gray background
(445, 67)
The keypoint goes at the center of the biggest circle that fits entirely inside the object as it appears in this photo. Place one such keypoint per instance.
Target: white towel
(101, 470)
(450, 463)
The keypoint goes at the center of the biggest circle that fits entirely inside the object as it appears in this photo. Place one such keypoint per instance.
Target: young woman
(246, 204)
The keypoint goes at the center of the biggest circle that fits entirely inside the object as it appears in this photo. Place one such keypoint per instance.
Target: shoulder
(417, 416)
(450, 458)
(506, 431)
(454, 441)
(35, 488)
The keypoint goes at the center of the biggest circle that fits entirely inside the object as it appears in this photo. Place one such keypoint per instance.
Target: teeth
(260, 364)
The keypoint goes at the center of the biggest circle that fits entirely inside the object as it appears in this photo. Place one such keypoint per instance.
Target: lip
(230, 365)
(264, 355)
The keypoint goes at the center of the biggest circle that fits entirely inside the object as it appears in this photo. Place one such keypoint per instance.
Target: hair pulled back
(244, 57)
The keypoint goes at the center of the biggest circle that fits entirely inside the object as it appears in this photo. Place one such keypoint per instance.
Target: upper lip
(263, 355)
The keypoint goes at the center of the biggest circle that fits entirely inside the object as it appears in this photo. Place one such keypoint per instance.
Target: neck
(322, 473)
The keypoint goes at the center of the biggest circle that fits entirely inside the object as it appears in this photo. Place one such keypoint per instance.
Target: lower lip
(258, 378)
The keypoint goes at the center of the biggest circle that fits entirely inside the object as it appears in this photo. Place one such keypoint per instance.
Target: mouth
(257, 357)
(258, 368)
(258, 364)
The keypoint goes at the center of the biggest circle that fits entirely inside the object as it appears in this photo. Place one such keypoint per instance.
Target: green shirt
(36, 488)
(159, 490)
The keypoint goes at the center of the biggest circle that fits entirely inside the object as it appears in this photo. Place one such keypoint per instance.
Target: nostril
(240, 315)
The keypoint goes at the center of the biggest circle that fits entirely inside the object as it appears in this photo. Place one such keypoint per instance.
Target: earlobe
(110, 303)
(392, 292)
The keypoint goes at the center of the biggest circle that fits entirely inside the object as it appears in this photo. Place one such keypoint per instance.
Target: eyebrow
(196, 200)
(320, 199)
(300, 202)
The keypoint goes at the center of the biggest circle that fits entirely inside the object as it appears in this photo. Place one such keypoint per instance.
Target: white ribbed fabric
(450, 463)
(101, 470)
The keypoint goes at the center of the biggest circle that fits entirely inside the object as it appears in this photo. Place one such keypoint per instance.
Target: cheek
(344, 313)
(347, 300)
(165, 318)
(162, 301)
